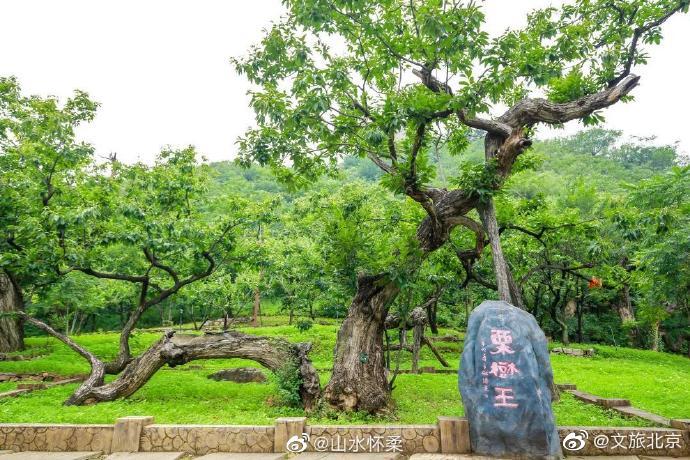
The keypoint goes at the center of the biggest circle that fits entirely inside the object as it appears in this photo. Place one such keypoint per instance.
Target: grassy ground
(657, 382)
(652, 381)
(7, 386)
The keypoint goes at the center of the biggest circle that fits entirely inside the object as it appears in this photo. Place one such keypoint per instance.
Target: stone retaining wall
(205, 439)
(448, 435)
(57, 438)
(620, 405)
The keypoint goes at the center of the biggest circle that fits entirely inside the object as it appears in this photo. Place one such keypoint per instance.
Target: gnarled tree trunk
(273, 353)
(505, 140)
(359, 380)
(11, 324)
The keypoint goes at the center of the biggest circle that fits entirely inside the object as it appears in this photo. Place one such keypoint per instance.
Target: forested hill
(610, 262)
(598, 159)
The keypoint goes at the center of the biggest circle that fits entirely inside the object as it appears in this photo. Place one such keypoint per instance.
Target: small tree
(382, 79)
(39, 158)
(660, 207)
(139, 226)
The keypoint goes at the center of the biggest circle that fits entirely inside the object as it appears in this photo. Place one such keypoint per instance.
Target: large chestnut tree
(386, 79)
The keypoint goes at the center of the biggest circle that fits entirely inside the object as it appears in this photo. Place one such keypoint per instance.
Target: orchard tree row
(395, 190)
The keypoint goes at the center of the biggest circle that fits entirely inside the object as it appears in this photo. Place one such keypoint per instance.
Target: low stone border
(38, 376)
(580, 352)
(56, 438)
(23, 388)
(422, 370)
(6, 357)
(620, 405)
(450, 435)
(428, 370)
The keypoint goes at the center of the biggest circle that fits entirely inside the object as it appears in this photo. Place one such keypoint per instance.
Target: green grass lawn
(652, 381)
(7, 386)
(657, 382)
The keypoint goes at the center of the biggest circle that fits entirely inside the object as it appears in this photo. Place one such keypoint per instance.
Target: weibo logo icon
(575, 441)
(297, 444)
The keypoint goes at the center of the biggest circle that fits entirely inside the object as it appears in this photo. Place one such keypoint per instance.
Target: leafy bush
(304, 325)
(289, 381)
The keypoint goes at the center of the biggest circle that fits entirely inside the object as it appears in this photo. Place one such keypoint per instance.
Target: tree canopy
(383, 79)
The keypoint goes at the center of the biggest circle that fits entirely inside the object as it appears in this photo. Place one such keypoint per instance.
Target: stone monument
(505, 380)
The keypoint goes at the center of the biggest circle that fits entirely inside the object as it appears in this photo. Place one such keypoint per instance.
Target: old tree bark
(11, 325)
(359, 378)
(274, 354)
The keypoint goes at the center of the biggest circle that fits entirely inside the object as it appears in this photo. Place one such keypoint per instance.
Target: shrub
(304, 325)
(289, 381)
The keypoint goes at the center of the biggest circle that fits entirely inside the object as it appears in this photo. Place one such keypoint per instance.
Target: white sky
(161, 71)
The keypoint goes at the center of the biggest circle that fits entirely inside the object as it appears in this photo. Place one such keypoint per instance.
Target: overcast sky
(161, 70)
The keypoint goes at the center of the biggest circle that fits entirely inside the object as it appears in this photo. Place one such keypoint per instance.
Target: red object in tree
(595, 283)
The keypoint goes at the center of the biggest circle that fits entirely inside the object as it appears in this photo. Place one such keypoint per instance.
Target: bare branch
(557, 267)
(90, 357)
(154, 261)
(416, 145)
(490, 126)
(379, 162)
(637, 34)
(164, 294)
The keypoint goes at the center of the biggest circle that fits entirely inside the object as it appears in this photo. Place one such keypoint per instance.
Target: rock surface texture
(240, 375)
(504, 378)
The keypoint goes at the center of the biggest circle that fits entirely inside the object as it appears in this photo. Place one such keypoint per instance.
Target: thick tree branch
(572, 270)
(154, 261)
(61, 337)
(380, 163)
(109, 276)
(531, 111)
(274, 354)
(491, 126)
(96, 378)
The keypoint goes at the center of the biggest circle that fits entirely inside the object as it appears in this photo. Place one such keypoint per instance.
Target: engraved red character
(503, 396)
(503, 369)
(502, 338)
